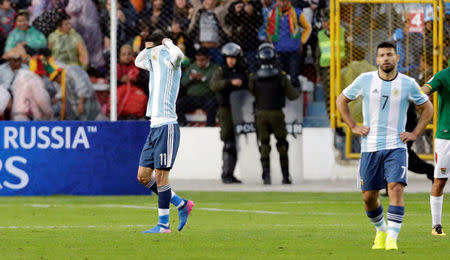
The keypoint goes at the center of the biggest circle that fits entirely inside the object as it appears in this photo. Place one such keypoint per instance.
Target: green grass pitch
(223, 225)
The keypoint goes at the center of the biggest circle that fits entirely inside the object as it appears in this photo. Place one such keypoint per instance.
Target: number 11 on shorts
(163, 158)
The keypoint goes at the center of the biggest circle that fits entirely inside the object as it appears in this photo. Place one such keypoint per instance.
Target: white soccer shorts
(441, 158)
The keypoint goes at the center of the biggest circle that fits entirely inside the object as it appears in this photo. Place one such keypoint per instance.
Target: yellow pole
(435, 38)
(387, 1)
(337, 40)
(332, 64)
(441, 35)
(337, 63)
(371, 35)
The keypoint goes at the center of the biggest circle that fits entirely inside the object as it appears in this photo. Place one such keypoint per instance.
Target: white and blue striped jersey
(385, 104)
(164, 64)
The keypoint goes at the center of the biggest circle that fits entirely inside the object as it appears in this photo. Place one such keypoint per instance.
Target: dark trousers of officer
(229, 154)
(272, 122)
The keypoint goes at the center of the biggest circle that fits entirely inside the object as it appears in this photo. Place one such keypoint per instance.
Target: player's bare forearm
(425, 118)
(426, 89)
(342, 105)
(427, 115)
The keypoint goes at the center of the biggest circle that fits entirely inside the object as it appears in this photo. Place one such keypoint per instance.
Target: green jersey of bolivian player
(441, 83)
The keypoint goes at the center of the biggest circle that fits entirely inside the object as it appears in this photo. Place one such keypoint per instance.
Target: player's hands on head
(360, 130)
(149, 44)
(407, 136)
(165, 40)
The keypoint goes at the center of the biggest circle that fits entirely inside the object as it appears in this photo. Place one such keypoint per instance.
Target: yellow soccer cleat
(391, 244)
(437, 231)
(380, 240)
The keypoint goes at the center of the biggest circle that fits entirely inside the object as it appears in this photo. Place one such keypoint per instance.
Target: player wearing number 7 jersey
(386, 95)
(163, 60)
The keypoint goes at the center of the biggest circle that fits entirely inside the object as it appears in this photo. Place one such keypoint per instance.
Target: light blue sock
(176, 200)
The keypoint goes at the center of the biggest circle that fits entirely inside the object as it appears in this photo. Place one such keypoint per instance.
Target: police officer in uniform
(271, 86)
(228, 78)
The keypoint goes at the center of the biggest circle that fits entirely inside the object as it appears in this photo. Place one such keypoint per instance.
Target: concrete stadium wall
(200, 156)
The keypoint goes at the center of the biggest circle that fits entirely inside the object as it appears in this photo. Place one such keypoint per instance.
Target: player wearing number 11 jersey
(163, 60)
(386, 95)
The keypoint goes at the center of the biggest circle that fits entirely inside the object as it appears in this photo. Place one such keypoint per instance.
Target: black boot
(229, 163)
(266, 177)
(286, 176)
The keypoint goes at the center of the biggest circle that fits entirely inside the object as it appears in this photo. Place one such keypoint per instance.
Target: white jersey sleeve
(176, 55)
(354, 90)
(143, 59)
(416, 94)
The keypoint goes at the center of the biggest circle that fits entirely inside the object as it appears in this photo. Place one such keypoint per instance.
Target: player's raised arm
(176, 55)
(142, 60)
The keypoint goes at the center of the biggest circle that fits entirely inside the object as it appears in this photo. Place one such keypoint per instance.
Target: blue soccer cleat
(183, 213)
(158, 229)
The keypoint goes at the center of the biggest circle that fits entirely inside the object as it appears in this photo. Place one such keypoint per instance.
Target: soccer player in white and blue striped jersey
(163, 61)
(386, 95)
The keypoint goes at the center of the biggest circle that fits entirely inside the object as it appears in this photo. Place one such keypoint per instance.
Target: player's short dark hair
(387, 45)
(156, 37)
(202, 52)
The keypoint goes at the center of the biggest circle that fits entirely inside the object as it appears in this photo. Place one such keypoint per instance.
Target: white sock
(381, 225)
(393, 229)
(436, 209)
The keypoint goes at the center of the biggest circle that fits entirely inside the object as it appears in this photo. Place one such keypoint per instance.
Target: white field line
(147, 225)
(68, 226)
(265, 212)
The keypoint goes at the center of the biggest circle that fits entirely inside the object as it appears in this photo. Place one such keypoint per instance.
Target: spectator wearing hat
(25, 35)
(195, 92)
(67, 46)
(8, 70)
(76, 94)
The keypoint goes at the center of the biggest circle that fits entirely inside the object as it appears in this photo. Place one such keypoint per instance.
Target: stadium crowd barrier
(101, 158)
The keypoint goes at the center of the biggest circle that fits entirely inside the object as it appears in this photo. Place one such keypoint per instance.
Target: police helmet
(266, 53)
(267, 61)
(231, 49)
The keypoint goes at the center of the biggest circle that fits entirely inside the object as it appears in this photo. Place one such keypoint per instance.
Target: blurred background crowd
(55, 54)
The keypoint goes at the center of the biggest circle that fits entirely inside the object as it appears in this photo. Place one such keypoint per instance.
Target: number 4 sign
(416, 23)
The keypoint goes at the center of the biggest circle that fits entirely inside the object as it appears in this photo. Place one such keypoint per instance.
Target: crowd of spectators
(71, 37)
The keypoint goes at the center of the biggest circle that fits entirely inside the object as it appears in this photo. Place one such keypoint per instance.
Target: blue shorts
(381, 167)
(161, 146)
